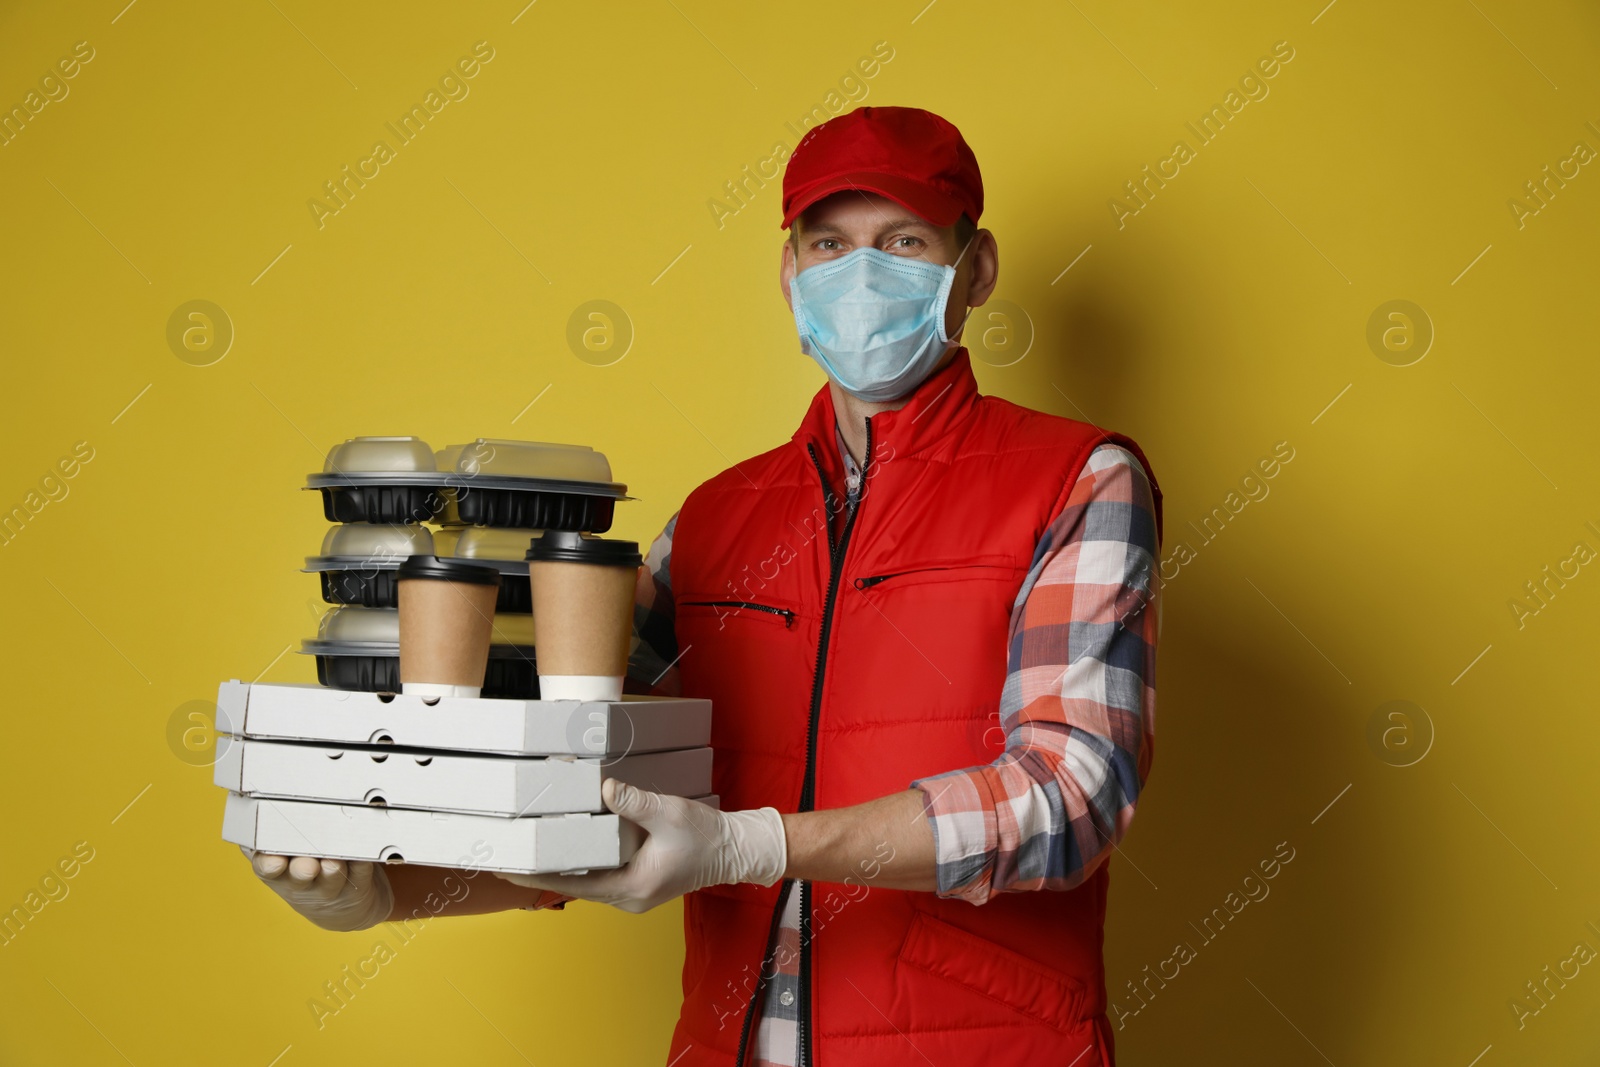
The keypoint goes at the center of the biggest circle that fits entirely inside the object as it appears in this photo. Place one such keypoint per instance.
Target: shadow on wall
(1103, 353)
(1253, 744)
(1256, 737)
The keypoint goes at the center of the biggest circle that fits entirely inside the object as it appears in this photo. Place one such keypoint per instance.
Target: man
(927, 624)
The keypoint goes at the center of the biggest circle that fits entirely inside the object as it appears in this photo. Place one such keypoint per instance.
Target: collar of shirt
(852, 469)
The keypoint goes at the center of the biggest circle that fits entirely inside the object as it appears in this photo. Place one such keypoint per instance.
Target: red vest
(833, 685)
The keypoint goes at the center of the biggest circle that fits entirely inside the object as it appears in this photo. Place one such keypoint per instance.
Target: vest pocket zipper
(788, 616)
(871, 580)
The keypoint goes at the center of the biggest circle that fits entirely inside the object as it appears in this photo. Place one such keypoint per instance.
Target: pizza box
(447, 781)
(534, 845)
(611, 728)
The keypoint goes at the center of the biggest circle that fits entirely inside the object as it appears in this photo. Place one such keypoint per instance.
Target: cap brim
(923, 200)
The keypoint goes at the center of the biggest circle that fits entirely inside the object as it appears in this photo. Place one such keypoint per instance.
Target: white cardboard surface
(445, 781)
(470, 724)
(547, 843)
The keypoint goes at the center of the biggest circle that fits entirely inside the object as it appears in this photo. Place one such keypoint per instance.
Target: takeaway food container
(532, 485)
(431, 780)
(500, 548)
(359, 648)
(380, 479)
(488, 482)
(609, 729)
(358, 561)
(571, 843)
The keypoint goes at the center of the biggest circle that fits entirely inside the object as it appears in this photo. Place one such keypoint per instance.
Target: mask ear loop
(963, 325)
(964, 248)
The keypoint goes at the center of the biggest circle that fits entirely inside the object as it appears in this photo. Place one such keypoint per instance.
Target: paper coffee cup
(583, 590)
(446, 618)
(580, 687)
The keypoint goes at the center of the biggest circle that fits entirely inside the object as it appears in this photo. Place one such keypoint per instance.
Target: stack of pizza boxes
(351, 768)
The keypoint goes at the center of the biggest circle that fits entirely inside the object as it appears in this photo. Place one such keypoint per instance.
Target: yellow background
(1224, 317)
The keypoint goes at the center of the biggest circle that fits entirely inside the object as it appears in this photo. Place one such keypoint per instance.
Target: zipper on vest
(761, 978)
(808, 788)
(788, 616)
(872, 580)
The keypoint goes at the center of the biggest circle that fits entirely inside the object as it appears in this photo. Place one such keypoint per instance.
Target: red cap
(909, 155)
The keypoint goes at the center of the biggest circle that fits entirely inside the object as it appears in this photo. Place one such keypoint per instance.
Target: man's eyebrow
(907, 222)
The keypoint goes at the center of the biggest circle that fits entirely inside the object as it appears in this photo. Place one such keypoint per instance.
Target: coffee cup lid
(570, 546)
(432, 567)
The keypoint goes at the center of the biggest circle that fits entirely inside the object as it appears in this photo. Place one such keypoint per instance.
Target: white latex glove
(334, 894)
(690, 846)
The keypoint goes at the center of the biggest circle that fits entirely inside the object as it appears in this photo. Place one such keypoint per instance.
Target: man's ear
(786, 265)
(985, 268)
(983, 255)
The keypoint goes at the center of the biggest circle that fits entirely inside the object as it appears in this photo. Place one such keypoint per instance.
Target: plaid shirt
(1077, 710)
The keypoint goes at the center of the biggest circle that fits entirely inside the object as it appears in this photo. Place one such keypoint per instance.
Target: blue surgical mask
(875, 320)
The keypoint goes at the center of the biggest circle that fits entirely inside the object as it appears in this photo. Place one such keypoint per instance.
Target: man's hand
(331, 893)
(690, 846)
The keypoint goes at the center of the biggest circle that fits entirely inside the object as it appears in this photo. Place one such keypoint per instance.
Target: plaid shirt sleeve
(652, 662)
(1078, 706)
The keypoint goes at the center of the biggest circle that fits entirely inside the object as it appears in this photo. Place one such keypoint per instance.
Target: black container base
(510, 678)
